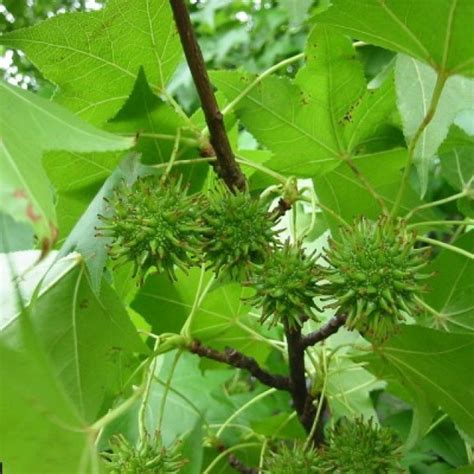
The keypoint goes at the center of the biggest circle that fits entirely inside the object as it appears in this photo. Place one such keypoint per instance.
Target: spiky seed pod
(374, 275)
(150, 457)
(153, 224)
(238, 230)
(292, 459)
(285, 286)
(357, 446)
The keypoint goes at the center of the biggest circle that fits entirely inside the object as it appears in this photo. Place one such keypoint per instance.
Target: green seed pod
(150, 457)
(292, 459)
(285, 286)
(380, 278)
(150, 225)
(238, 231)
(357, 446)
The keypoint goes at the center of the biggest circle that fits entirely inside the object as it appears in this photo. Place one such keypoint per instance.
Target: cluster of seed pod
(150, 457)
(292, 459)
(239, 231)
(354, 447)
(374, 275)
(156, 225)
(153, 224)
(285, 285)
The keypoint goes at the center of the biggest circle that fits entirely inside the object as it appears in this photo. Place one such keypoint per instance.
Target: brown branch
(299, 390)
(235, 462)
(226, 166)
(331, 327)
(282, 207)
(241, 361)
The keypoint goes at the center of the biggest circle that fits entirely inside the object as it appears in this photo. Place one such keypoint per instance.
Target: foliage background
(426, 395)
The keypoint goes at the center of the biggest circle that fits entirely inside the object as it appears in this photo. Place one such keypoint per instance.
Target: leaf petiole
(439, 202)
(446, 246)
(438, 89)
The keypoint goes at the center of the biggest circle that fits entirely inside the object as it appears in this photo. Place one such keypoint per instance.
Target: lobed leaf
(403, 26)
(95, 57)
(30, 125)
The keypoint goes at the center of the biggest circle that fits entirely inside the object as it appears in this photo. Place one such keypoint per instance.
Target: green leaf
(145, 113)
(349, 387)
(279, 426)
(402, 26)
(39, 425)
(415, 83)
(193, 448)
(95, 57)
(437, 366)
(338, 188)
(296, 10)
(188, 400)
(445, 441)
(313, 123)
(422, 408)
(89, 339)
(30, 125)
(73, 172)
(457, 165)
(457, 158)
(221, 319)
(452, 286)
(14, 235)
(83, 237)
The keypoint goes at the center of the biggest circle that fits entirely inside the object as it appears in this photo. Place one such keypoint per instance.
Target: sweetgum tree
(270, 273)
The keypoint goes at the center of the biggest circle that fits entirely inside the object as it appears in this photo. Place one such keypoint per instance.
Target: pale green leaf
(349, 384)
(434, 32)
(39, 426)
(14, 235)
(182, 405)
(296, 10)
(415, 83)
(95, 57)
(89, 339)
(30, 125)
(84, 236)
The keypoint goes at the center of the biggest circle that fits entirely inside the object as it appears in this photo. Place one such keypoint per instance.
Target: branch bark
(237, 359)
(226, 166)
(235, 462)
(299, 390)
(331, 327)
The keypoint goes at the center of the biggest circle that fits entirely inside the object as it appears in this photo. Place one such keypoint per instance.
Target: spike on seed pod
(292, 459)
(357, 446)
(238, 231)
(149, 225)
(285, 285)
(380, 278)
(149, 457)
